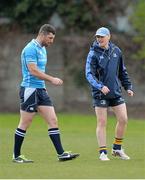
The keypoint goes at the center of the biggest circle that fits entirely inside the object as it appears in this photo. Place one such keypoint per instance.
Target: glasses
(100, 36)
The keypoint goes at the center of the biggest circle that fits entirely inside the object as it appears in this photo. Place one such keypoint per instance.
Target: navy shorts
(31, 98)
(108, 102)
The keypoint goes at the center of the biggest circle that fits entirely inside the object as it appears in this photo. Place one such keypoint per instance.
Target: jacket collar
(95, 46)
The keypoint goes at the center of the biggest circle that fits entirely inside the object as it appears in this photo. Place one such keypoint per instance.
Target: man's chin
(47, 45)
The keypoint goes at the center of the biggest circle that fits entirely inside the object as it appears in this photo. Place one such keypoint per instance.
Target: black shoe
(67, 155)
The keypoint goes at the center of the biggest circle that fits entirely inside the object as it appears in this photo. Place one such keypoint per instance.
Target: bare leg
(101, 114)
(25, 120)
(121, 115)
(49, 115)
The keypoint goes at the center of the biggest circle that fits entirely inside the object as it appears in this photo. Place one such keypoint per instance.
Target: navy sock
(117, 144)
(54, 135)
(19, 137)
(103, 149)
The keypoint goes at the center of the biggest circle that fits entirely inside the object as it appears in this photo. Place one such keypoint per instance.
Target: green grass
(78, 135)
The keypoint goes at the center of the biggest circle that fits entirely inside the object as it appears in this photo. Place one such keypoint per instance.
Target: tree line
(76, 15)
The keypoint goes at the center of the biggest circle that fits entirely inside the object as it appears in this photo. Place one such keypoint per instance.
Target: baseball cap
(102, 32)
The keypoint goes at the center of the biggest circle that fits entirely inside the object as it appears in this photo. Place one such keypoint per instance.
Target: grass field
(78, 135)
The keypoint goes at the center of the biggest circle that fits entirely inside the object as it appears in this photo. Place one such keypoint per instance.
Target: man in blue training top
(105, 71)
(34, 97)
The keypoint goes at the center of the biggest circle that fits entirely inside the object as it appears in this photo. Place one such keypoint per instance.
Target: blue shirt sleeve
(30, 55)
(91, 68)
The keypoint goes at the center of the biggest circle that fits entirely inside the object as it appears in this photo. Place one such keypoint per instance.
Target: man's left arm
(124, 78)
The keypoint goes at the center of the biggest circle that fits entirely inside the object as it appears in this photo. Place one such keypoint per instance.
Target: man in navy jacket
(106, 73)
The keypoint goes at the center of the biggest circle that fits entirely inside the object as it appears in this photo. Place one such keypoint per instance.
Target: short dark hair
(46, 29)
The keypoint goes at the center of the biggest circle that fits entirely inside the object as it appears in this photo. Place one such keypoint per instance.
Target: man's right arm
(41, 75)
(90, 75)
(30, 55)
(90, 72)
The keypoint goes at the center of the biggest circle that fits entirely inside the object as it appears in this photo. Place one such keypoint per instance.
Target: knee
(24, 124)
(101, 123)
(123, 120)
(53, 123)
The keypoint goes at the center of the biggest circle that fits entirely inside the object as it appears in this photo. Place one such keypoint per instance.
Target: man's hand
(105, 90)
(130, 93)
(41, 75)
(56, 81)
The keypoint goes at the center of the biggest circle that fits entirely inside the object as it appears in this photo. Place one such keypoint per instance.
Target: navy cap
(102, 32)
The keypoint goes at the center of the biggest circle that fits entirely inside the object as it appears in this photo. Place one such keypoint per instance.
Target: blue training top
(33, 52)
(105, 67)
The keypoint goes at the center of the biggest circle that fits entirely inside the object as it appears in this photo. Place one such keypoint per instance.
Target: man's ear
(96, 39)
(109, 36)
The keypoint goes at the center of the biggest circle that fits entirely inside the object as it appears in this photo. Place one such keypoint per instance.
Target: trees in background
(138, 21)
(76, 14)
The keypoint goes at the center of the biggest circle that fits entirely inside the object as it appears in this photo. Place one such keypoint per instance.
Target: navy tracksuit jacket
(105, 67)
